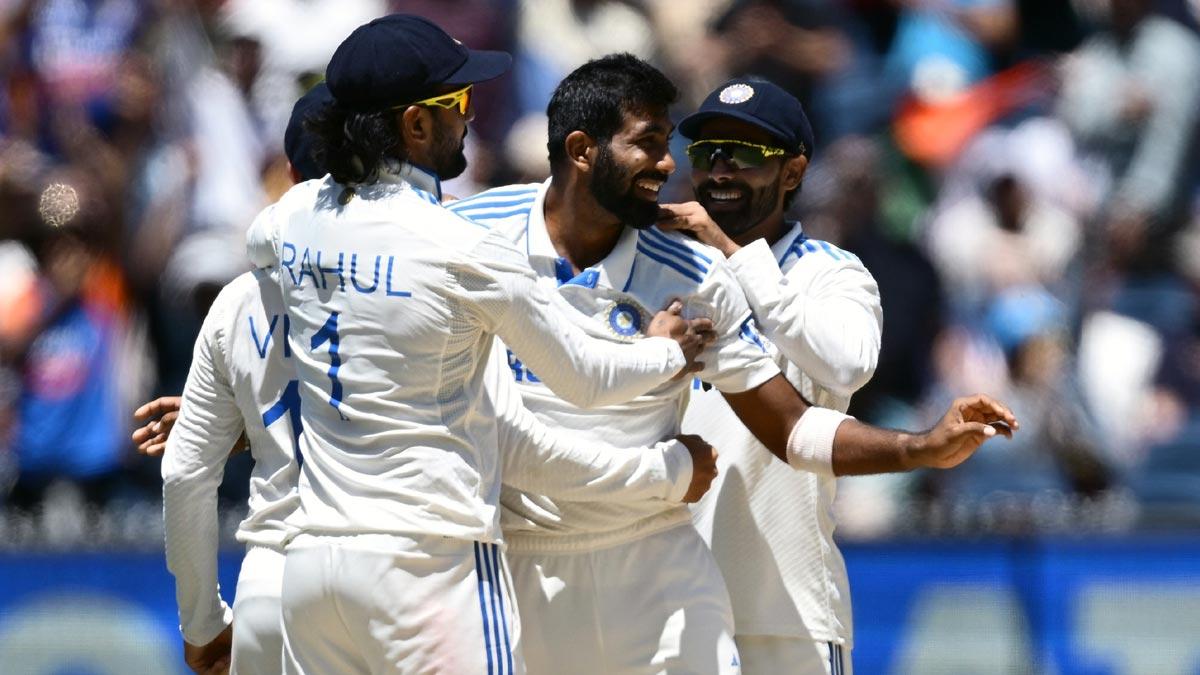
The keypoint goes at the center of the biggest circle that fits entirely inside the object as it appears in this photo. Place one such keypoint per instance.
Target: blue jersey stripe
(663, 250)
(503, 615)
(487, 638)
(491, 204)
(500, 192)
(667, 241)
(487, 563)
(670, 263)
(835, 253)
(496, 215)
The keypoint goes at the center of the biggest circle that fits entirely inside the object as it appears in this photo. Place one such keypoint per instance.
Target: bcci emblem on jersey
(625, 319)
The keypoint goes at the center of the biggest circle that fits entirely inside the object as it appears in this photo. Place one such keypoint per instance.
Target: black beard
(756, 209)
(613, 189)
(449, 160)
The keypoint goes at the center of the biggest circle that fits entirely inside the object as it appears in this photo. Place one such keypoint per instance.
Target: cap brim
(690, 125)
(481, 66)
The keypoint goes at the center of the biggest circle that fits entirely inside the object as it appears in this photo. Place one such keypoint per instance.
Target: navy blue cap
(401, 58)
(298, 141)
(764, 104)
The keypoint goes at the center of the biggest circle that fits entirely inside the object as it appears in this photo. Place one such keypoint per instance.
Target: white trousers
(257, 629)
(386, 604)
(776, 655)
(654, 605)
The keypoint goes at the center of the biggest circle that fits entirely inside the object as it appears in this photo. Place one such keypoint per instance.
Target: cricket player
(236, 373)
(770, 526)
(393, 302)
(632, 588)
(240, 378)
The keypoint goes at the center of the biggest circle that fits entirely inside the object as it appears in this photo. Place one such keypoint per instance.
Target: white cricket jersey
(770, 526)
(616, 298)
(394, 302)
(240, 377)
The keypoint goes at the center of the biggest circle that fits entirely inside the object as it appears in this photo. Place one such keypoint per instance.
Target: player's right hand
(213, 658)
(969, 422)
(157, 418)
(704, 466)
(692, 335)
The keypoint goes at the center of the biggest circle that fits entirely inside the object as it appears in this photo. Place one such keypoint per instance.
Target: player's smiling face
(633, 166)
(739, 199)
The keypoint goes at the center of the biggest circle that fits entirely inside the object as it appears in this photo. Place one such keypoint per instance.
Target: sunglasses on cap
(460, 98)
(737, 154)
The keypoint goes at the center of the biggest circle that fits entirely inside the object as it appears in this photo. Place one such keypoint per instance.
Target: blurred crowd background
(1019, 175)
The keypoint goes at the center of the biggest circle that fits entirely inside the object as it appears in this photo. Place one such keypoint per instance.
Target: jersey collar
(416, 176)
(784, 248)
(611, 272)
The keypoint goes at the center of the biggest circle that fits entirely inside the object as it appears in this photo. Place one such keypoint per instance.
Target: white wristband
(810, 445)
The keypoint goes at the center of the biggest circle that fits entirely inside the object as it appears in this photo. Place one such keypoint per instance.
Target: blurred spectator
(942, 47)
(556, 36)
(1131, 94)
(1003, 233)
(69, 421)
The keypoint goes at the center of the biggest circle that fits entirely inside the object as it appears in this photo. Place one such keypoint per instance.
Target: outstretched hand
(966, 425)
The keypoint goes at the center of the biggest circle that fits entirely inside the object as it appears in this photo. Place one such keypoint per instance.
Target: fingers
(675, 306)
(983, 408)
(157, 407)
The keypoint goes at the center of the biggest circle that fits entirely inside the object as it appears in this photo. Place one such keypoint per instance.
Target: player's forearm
(585, 371)
(860, 449)
(191, 533)
(536, 459)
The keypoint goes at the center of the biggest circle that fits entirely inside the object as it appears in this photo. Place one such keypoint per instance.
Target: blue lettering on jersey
(319, 276)
(354, 275)
(306, 268)
(264, 344)
(520, 371)
(749, 333)
(403, 294)
(331, 270)
(287, 260)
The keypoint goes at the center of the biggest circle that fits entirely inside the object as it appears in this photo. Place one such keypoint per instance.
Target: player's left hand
(157, 418)
(213, 658)
(692, 218)
(966, 425)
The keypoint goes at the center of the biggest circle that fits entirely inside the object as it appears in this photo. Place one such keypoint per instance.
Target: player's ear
(416, 126)
(793, 172)
(581, 150)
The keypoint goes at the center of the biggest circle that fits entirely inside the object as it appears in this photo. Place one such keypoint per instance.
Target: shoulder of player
(679, 253)
(808, 254)
(497, 205)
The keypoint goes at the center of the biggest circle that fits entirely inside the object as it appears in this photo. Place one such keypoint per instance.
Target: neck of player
(772, 228)
(581, 230)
